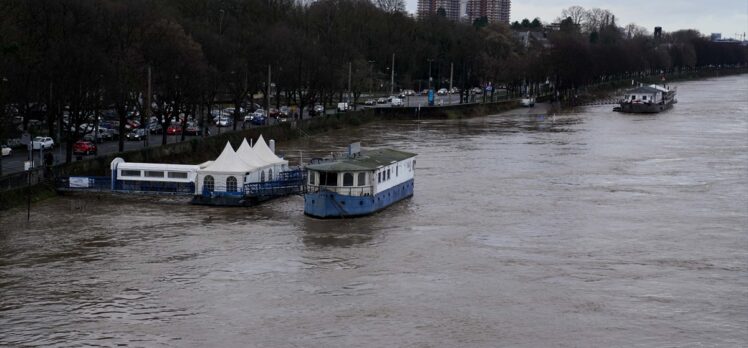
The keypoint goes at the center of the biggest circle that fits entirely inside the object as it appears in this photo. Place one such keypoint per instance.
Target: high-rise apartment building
(493, 10)
(431, 8)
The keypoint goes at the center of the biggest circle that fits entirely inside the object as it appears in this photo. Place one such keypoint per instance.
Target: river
(583, 229)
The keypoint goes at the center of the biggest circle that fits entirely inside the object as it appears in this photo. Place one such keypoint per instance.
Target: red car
(82, 147)
(174, 129)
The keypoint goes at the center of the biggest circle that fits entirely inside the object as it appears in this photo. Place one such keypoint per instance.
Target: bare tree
(391, 5)
(577, 14)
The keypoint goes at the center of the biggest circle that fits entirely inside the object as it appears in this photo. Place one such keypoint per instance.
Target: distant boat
(358, 183)
(648, 99)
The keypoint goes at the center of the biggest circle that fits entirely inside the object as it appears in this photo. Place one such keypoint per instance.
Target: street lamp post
(430, 61)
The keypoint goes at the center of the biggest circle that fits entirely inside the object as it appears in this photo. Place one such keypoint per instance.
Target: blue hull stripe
(326, 204)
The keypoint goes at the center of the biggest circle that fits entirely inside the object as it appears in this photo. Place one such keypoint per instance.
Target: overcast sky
(707, 16)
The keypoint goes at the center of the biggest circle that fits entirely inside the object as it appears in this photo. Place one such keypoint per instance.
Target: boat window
(177, 175)
(361, 179)
(270, 174)
(329, 179)
(130, 173)
(644, 97)
(379, 177)
(231, 184)
(388, 174)
(311, 178)
(347, 179)
(154, 174)
(262, 176)
(208, 183)
(414, 164)
(397, 169)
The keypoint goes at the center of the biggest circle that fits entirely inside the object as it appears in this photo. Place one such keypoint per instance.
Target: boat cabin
(362, 174)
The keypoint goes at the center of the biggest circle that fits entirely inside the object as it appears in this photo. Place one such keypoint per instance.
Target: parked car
(319, 109)
(192, 129)
(409, 92)
(285, 111)
(259, 113)
(476, 90)
(174, 129)
(273, 112)
(224, 121)
(527, 101)
(42, 143)
(382, 100)
(454, 90)
(370, 102)
(258, 119)
(343, 106)
(83, 147)
(6, 151)
(396, 102)
(442, 91)
(136, 134)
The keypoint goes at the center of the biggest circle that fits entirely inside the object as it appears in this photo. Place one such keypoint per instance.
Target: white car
(42, 143)
(442, 91)
(5, 151)
(396, 102)
(343, 106)
(527, 101)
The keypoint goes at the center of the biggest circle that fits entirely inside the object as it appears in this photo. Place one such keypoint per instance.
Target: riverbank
(609, 91)
(208, 148)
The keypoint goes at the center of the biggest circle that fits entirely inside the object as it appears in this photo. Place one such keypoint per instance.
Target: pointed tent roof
(248, 155)
(227, 162)
(262, 151)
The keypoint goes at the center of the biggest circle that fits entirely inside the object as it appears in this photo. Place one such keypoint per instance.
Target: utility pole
(147, 132)
(267, 95)
(392, 76)
(430, 60)
(451, 73)
(349, 82)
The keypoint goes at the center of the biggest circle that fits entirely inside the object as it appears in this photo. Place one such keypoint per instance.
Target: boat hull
(327, 204)
(641, 108)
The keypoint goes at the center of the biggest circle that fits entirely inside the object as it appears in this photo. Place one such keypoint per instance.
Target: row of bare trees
(64, 61)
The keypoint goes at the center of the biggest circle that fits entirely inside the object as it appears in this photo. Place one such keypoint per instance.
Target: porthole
(360, 202)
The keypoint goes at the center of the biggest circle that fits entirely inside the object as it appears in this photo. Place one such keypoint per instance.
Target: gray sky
(707, 16)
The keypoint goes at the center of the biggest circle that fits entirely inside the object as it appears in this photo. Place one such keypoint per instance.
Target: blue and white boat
(359, 183)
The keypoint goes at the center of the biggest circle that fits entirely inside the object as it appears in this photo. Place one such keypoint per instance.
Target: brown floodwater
(584, 229)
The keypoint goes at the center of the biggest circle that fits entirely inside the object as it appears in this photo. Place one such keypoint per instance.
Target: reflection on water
(526, 229)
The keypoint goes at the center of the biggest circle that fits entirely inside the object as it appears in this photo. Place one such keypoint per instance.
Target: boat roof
(157, 166)
(644, 89)
(366, 160)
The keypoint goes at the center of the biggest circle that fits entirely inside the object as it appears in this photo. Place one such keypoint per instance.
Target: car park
(42, 143)
(83, 147)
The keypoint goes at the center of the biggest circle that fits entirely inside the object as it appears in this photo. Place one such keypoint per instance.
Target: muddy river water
(584, 229)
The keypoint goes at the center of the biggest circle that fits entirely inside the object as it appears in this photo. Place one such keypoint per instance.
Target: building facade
(493, 10)
(428, 8)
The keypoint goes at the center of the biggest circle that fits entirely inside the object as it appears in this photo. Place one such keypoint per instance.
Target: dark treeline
(64, 61)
